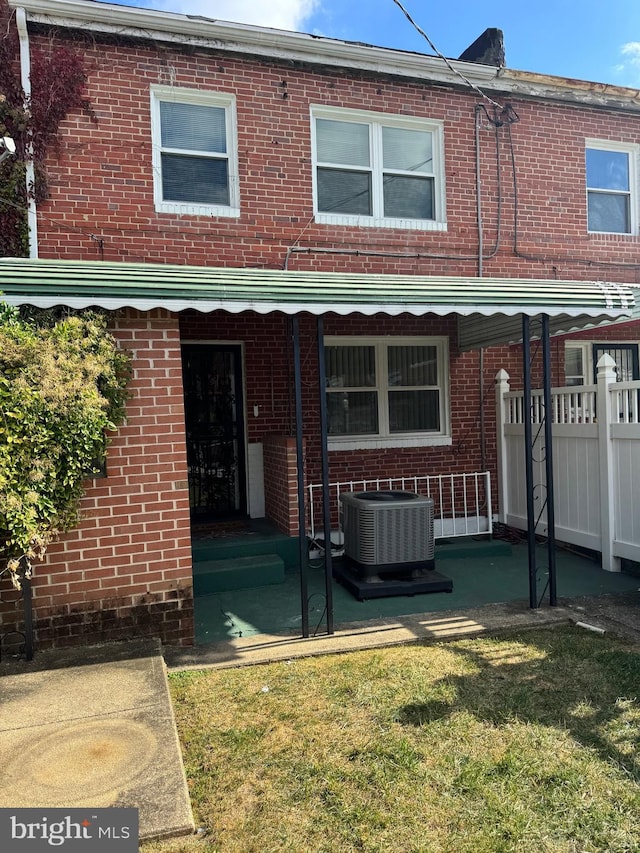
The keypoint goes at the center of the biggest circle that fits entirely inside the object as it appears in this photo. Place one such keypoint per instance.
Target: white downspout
(30, 175)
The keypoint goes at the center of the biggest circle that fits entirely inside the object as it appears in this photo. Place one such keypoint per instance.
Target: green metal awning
(488, 309)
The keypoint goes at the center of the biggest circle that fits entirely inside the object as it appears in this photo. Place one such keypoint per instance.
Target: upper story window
(612, 196)
(373, 169)
(195, 169)
(387, 392)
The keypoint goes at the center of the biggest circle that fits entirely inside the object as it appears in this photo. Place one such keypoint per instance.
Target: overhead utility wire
(455, 71)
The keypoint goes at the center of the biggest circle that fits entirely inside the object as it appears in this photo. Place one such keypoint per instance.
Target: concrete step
(228, 548)
(211, 576)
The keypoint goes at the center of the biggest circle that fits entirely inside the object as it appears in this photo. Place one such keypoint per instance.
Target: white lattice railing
(462, 502)
(570, 405)
(625, 403)
(577, 405)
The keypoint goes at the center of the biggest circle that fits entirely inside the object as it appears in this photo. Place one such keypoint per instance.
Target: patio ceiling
(488, 309)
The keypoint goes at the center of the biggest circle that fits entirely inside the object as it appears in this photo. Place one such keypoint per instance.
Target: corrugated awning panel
(78, 284)
(473, 331)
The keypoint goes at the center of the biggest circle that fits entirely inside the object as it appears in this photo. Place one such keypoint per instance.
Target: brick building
(258, 207)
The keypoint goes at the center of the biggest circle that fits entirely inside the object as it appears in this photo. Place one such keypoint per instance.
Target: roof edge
(245, 38)
(289, 45)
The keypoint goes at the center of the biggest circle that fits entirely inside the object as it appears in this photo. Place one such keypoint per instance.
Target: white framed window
(612, 189)
(195, 162)
(374, 169)
(387, 392)
(576, 364)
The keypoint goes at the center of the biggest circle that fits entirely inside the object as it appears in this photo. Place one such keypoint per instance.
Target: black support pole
(528, 457)
(326, 509)
(302, 537)
(27, 597)
(548, 459)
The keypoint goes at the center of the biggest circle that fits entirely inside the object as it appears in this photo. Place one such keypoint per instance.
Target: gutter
(30, 176)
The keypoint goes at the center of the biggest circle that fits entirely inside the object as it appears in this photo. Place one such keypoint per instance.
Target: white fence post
(502, 389)
(606, 378)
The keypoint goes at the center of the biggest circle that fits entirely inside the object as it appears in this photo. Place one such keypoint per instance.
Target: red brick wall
(101, 181)
(281, 482)
(126, 570)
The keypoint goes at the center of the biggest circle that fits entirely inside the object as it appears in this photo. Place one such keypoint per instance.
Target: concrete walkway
(95, 727)
(385, 631)
(617, 612)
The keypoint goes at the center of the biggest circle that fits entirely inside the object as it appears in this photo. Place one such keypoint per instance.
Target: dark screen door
(212, 379)
(625, 357)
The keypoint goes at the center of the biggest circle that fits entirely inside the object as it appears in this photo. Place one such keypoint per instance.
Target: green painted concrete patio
(483, 572)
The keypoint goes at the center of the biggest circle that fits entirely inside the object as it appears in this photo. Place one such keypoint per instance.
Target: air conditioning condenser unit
(388, 532)
(389, 545)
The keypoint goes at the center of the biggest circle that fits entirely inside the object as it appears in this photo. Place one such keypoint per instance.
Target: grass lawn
(525, 743)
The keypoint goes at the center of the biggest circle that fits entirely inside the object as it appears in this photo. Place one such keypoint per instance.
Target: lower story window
(381, 389)
(581, 361)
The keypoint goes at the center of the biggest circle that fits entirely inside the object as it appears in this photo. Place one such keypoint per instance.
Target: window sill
(372, 222)
(625, 235)
(379, 443)
(178, 209)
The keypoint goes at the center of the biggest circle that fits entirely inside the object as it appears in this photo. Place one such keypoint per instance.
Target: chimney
(487, 49)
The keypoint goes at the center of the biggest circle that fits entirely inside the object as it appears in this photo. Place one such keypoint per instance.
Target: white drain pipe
(30, 175)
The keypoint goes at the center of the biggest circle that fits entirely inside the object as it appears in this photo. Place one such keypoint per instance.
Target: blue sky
(586, 39)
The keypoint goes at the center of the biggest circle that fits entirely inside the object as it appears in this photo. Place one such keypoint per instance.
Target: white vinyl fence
(596, 462)
(461, 502)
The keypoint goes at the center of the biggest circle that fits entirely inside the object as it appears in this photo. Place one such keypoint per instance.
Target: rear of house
(417, 216)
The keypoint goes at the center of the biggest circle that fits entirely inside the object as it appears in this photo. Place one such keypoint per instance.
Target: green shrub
(63, 387)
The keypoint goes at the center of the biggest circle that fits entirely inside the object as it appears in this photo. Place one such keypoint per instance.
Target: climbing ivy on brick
(63, 389)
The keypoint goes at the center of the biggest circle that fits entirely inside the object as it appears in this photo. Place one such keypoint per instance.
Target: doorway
(214, 419)
(625, 357)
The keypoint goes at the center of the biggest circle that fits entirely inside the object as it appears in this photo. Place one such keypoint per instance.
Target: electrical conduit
(30, 177)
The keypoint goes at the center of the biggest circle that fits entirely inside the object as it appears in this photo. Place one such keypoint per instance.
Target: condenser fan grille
(387, 528)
